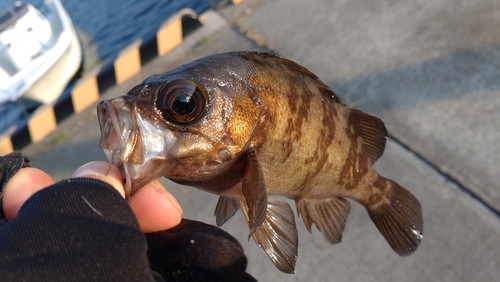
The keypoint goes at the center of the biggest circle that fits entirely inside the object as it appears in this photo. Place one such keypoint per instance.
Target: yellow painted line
(169, 35)
(42, 123)
(85, 93)
(128, 62)
(6, 146)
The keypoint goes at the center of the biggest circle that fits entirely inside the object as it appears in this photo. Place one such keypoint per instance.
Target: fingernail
(161, 189)
(102, 171)
(93, 169)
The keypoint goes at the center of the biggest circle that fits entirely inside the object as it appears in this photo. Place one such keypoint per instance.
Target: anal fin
(225, 209)
(401, 221)
(278, 236)
(329, 216)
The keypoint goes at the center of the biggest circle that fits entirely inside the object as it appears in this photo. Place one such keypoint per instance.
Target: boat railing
(12, 14)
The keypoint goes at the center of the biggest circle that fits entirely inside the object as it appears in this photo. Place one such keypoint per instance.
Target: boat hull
(59, 55)
(52, 83)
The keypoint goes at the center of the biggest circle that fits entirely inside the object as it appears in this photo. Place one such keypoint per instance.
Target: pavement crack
(447, 176)
(254, 36)
(241, 12)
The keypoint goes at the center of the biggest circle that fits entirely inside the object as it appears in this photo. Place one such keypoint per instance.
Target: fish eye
(181, 101)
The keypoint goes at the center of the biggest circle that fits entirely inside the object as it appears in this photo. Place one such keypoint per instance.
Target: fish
(254, 128)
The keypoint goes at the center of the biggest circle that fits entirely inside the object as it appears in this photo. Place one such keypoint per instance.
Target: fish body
(249, 126)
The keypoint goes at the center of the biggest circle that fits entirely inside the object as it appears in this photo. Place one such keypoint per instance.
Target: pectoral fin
(277, 235)
(329, 216)
(254, 191)
(225, 209)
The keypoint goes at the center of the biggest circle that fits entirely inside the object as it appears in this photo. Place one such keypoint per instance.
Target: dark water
(106, 27)
(114, 24)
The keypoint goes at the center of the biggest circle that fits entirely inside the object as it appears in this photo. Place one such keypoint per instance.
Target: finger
(26, 182)
(155, 208)
(103, 171)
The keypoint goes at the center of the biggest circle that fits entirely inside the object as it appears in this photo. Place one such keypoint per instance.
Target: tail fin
(401, 221)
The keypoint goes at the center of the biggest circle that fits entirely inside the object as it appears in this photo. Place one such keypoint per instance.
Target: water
(108, 26)
(114, 24)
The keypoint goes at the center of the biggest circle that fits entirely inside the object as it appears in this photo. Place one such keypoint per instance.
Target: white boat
(39, 53)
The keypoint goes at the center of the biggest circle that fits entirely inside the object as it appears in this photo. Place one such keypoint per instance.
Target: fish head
(191, 123)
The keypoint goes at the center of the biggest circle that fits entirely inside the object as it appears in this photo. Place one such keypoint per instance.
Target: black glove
(83, 230)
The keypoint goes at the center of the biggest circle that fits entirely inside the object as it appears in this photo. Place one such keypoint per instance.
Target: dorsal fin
(373, 132)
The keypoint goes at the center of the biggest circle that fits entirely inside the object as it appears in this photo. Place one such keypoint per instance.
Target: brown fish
(249, 125)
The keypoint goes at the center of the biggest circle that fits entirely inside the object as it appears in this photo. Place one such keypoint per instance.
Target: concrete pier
(429, 69)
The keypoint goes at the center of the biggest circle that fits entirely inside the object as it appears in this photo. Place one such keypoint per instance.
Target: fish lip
(120, 123)
(103, 119)
(112, 142)
(104, 115)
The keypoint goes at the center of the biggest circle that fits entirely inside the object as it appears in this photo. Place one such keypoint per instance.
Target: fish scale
(261, 126)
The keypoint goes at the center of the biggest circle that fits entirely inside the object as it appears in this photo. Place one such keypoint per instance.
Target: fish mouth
(137, 147)
(115, 139)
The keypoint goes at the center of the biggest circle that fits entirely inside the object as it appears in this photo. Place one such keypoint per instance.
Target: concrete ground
(429, 69)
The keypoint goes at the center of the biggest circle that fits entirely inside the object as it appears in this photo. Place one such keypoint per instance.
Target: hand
(155, 208)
